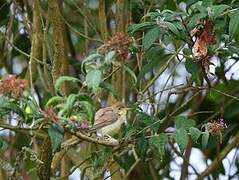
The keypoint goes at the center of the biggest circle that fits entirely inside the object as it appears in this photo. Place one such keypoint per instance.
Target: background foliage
(173, 62)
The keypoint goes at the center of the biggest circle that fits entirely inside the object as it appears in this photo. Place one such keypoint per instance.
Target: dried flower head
(12, 86)
(216, 127)
(50, 114)
(120, 43)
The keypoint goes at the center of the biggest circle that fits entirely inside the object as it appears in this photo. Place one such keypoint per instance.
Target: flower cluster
(215, 128)
(49, 114)
(120, 43)
(12, 86)
(80, 123)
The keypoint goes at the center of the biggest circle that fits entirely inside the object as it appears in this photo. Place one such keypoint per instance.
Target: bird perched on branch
(108, 122)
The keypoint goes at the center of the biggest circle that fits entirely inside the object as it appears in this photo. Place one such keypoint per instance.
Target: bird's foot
(111, 139)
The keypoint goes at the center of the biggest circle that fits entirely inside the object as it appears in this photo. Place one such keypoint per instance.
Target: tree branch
(221, 156)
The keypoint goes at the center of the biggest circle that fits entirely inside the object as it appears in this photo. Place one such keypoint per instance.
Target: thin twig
(221, 156)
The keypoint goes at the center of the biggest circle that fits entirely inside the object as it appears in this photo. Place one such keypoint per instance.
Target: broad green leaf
(109, 57)
(195, 18)
(142, 144)
(218, 10)
(56, 135)
(181, 137)
(207, 3)
(195, 133)
(131, 73)
(152, 15)
(93, 79)
(89, 110)
(7, 106)
(54, 100)
(159, 143)
(192, 68)
(92, 57)
(68, 106)
(136, 27)
(205, 138)
(87, 62)
(182, 122)
(150, 37)
(62, 79)
(201, 9)
(147, 120)
(172, 28)
(234, 24)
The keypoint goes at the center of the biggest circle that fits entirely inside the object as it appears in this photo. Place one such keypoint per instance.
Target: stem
(221, 156)
(103, 20)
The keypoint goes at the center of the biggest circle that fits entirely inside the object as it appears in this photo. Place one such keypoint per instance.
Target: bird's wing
(104, 117)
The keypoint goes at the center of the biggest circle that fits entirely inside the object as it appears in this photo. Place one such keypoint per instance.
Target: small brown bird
(108, 122)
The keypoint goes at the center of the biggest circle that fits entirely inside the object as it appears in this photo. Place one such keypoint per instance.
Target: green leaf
(182, 122)
(56, 135)
(102, 157)
(195, 133)
(150, 37)
(234, 24)
(108, 87)
(3, 145)
(130, 131)
(207, 3)
(195, 18)
(92, 57)
(192, 68)
(131, 73)
(93, 79)
(218, 10)
(136, 27)
(54, 100)
(61, 80)
(142, 144)
(172, 28)
(156, 58)
(89, 110)
(201, 9)
(7, 106)
(89, 62)
(68, 106)
(146, 120)
(181, 137)
(205, 138)
(109, 57)
(159, 143)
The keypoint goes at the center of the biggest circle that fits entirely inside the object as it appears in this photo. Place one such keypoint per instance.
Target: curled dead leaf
(203, 40)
